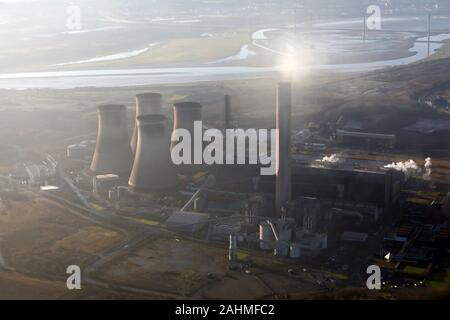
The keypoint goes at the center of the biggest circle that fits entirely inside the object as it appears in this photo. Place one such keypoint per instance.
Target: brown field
(182, 268)
(38, 241)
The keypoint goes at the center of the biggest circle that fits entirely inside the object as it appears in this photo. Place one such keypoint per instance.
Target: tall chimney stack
(146, 103)
(112, 152)
(153, 169)
(283, 147)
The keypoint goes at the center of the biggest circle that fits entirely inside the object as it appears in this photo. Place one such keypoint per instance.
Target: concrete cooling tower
(153, 169)
(112, 152)
(146, 103)
(184, 115)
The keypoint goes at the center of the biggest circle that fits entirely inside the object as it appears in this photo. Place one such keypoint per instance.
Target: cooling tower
(153, 169)
(184, 115)
(146, 103)
(283, 147)
(112, 152)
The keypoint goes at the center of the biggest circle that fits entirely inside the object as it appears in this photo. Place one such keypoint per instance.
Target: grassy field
(181, 50)
(195, 49)
(442, 53)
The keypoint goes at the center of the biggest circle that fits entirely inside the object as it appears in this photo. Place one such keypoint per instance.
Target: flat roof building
(365, 138)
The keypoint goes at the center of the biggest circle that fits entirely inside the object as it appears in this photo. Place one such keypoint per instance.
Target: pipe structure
(112, 151)
(283, 147)
(184, 115)
(153, 169)
(209, 183)
(272, 227)
(146, 103)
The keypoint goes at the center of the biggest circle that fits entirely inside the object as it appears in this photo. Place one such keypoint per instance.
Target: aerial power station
(306, 207)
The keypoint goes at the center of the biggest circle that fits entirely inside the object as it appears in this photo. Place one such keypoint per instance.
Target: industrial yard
(317, 148)
(352, 204)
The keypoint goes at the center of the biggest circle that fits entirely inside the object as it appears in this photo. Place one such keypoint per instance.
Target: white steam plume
(334, 158)
(411, 169)
(427, 167)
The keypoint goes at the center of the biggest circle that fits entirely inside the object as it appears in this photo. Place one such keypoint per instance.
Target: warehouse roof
(364, 134)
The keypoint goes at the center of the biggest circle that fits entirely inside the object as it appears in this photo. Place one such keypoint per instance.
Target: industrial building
(81, 151)
(105, 182)
(376, 187)
(76, 152)
(365, 139)
(296, 209)
(296, 213)
(379, 188)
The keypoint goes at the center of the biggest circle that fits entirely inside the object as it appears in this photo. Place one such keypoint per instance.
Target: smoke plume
(427, 167)
(411, 169)
(334, 158)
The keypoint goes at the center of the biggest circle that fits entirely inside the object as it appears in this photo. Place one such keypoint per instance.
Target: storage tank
(146, 103)
(112, 151)
(153, 169)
